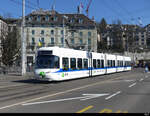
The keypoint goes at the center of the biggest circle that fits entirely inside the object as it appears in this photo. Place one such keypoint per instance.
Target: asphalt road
(127, 92)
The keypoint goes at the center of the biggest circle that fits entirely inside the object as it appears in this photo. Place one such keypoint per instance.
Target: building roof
(11, 20)
(45, 17)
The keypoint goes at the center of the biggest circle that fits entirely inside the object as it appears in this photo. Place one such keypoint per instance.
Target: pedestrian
(30, 65)
(4, 70)
(146, 67)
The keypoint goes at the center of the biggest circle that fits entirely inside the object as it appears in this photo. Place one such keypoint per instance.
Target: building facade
(133, 37)
(147, 29)
(50, 28)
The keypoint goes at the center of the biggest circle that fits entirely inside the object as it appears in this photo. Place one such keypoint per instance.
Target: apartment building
(147, 29)
(133, 37)
(55, 29)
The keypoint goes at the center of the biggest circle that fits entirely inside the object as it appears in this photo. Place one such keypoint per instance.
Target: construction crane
(88, 6)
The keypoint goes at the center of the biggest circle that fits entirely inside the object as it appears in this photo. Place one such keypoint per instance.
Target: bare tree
(10, 49)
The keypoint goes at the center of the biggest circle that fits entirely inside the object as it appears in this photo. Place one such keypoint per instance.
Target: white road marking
(59, 93)
(113, 95)
(123, 80)
(132, 85)
(146, 76)
(129, 80)
(91, 96)
(141, 79)
(84, 97)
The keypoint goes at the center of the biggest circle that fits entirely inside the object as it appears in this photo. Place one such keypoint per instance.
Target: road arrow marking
(84, 97)
(113, 95)
(91, 96)
(141, 79)
(132, 85)
(129, 80)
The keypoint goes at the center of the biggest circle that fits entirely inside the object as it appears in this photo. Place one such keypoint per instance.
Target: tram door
(90, 64)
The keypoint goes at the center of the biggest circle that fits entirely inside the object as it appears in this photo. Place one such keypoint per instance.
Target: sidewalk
(29, 75)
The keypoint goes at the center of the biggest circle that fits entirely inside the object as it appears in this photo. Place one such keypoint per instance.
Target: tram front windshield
(47, 61)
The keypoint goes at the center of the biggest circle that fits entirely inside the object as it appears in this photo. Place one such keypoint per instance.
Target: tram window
(98, 64)
(94, 63)
(126, 63)
(118, 63)
(107, 63)
(72, 63)
(85, 63)
(65, 63)
(79, 63)
(56, 62)
(121, 63)
(47, 61)
(102, 63)
(113, 63)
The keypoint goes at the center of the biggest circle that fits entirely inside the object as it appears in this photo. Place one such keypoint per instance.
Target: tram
(58, 64)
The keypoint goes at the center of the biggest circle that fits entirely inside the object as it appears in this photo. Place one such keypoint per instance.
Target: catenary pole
(23, 42)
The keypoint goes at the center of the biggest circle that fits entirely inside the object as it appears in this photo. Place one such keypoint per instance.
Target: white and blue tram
(57, 64)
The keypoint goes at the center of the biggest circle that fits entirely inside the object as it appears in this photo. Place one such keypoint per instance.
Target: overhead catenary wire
(115, 11)
(31, 3)
(20, 4)
(124, 9)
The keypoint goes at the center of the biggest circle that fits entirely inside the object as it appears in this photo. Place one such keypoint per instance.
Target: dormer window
(52, 18)
(80, 21)
(55, 18)
(72, 20)
(39, 18)
(30, 18)
(27, 19)
(35, 18)
(47, 18)
(43, 18)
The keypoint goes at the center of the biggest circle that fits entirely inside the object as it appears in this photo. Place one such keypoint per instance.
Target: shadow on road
(33, 81)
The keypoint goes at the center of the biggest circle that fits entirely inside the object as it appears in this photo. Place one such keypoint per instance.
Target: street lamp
(23, 42)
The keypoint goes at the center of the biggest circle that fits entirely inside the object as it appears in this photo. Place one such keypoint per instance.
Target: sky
(128, 11)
